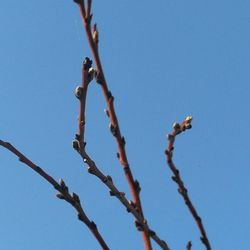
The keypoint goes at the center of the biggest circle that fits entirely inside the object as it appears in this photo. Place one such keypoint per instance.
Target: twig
(189, 245)
(79, 145)
(63, 194)
(93, 38)
(178, 129)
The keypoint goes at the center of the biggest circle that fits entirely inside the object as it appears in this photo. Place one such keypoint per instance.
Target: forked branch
(63, 193)
(79, 145)
(93, 38)
(178, 129)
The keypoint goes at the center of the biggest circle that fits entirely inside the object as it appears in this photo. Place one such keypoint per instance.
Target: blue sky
(163, 60)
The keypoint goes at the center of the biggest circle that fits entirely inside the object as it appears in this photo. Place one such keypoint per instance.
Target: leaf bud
(176, 126)
(75, 144)
(87, 63)
(78, 92)
(188, 119)
(60, 196)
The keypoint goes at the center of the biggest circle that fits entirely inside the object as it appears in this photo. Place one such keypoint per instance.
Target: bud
(75, 197)
(176, 126)
(78, 92)
(62, 183)
(91, 74)
(75, 144)
(60, 196)
(188, 119)
(106, 112)
(95, 34)
(87, 63)
(113, 129)
(188, 126)
(109, 178)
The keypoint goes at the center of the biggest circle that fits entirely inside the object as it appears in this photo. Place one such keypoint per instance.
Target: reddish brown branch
(63, 194)
(178, 129)
(92, 37)
(79, 145)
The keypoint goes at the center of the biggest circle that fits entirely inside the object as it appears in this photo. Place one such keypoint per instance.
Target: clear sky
(163, 60)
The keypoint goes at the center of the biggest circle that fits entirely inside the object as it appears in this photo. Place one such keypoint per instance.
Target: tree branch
(93, 38)
(79, 145)
(178, 129)
(63, 193)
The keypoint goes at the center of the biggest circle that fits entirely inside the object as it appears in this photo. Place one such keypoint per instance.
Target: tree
(90, 72)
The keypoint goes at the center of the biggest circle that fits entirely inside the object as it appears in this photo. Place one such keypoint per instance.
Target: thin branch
(93, 38)
(79, 145)
(189, 245)
(63, 194)
(178, 129)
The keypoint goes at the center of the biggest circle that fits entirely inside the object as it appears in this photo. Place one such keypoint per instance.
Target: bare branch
(63, 193)
(79, 146)
(92, 37)
(178, 129)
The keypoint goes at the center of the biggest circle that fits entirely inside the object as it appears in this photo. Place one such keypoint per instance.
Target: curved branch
(178, 129)
(63, 193)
